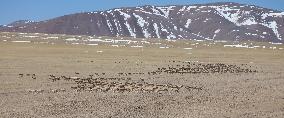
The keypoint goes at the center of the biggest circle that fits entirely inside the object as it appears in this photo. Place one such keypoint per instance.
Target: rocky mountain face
(215, 21)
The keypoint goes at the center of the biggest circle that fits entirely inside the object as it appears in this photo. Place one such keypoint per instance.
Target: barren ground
(29, 88)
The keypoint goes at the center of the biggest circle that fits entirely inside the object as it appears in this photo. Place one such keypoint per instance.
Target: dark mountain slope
(216, 21)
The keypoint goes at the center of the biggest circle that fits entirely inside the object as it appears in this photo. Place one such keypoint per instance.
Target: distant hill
(20, 23)
(214, 21)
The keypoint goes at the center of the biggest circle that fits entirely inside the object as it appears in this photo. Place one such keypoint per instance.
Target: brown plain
(248, 95)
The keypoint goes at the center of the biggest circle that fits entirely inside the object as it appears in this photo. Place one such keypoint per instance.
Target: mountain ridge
(211, 21)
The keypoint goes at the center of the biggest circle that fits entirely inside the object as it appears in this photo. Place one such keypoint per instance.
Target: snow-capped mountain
(20, 23)
(214, 21)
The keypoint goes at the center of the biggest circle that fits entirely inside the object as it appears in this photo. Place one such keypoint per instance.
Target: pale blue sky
(12, 10)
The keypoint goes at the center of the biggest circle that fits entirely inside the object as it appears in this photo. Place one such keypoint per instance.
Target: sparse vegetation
(61, 78)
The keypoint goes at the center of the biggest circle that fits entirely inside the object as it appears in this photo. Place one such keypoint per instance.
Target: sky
(38, 10)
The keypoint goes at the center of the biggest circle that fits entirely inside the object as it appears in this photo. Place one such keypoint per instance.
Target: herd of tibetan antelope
(123, 81)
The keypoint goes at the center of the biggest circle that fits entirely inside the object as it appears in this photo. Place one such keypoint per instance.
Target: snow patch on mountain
(171, 36)
(234, 14)
(118, 27)
(188, 22)
(230, 14)
(130, 30)
(191, 7)
(183, 9)
(166, 10)
(265, 15)
(156, 11)
(110, 26)
(273, 25)
(142, 23)
(226, 21)
(163, 29)
(175, 27)
(126, 17)
(156, 30)
(250, 21)
(217, 31)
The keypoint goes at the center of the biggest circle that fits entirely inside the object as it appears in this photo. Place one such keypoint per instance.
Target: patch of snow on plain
(92, 44)
(115, 45)
(71, 39)
(220, 41)
(31, 36)
(75, 43)
(52, 37)
(95, 40)
(237, 46)
(145, 42)
(164, 47)
(256, 46)
(137, 46)
(275, 43)
(122, 41)
(21, 41)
